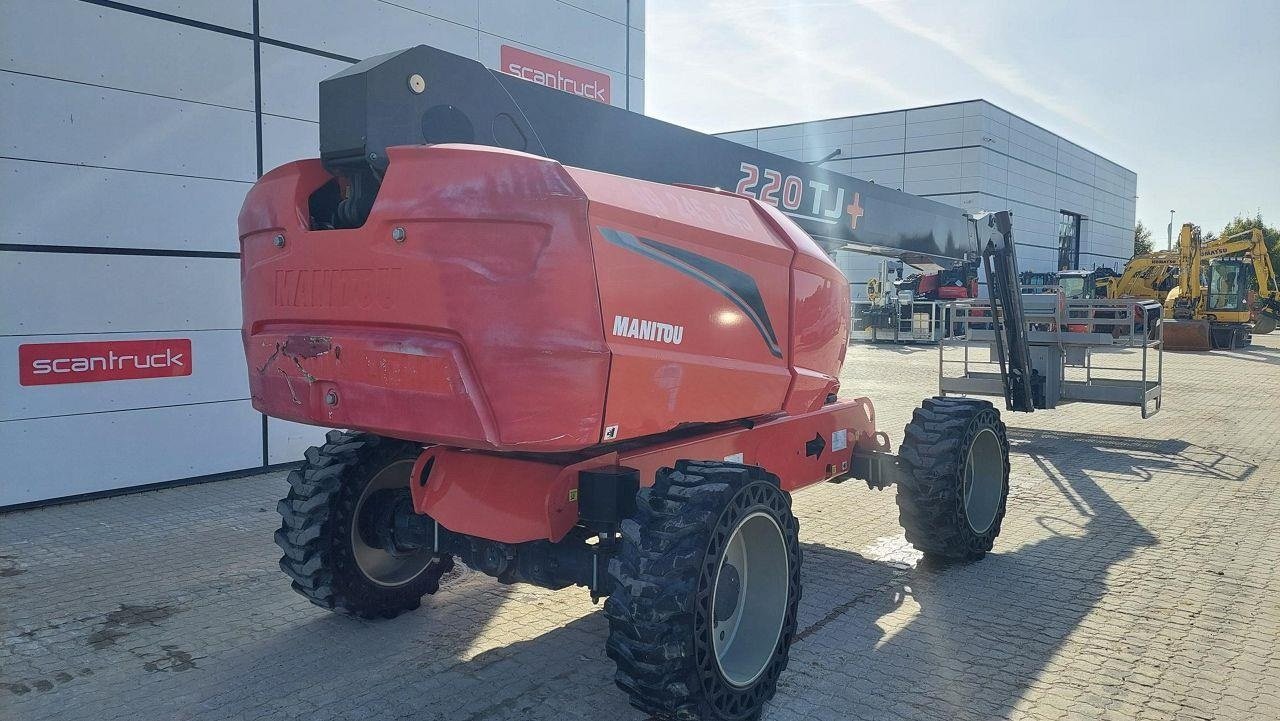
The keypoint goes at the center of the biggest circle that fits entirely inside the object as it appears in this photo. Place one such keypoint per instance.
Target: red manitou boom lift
(563, 370)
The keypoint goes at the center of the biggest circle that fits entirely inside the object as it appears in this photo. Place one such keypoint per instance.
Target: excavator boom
(1184, 330)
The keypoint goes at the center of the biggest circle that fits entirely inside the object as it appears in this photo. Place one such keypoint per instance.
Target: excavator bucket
(1187, 335)
(1265, 324)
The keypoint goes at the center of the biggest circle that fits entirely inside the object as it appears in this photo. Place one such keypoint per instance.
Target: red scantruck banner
(554, 74)
(41, 364)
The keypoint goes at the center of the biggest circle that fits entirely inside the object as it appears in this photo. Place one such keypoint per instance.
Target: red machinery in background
(910, 308)
(957, 282)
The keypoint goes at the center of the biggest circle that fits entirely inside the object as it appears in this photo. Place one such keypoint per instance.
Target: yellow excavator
(1149, 276)
(1212, 305)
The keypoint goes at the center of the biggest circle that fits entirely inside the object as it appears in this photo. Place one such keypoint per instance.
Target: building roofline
(926, 107)
(863, 115)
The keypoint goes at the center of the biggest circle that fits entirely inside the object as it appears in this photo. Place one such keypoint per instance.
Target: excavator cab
(1228, 294)
(1221, 316)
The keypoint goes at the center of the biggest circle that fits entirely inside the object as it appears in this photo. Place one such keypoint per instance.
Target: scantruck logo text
(554, 74)
(41, 364)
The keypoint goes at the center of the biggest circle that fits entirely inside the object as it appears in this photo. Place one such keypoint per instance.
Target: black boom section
(426, 95)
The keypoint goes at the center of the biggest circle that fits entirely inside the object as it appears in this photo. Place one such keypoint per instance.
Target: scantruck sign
(554, 74)
(42, 364)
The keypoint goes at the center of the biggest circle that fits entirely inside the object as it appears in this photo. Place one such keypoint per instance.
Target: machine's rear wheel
(706, 585)
(955, 480)
(329, 529)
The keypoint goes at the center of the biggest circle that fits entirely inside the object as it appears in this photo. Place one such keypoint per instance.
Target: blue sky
(1185, 94)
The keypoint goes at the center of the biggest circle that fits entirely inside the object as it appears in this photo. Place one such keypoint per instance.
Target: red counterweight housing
(499, 300)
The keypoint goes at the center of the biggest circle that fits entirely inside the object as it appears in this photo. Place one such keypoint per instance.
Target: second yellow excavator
(1149, 276)
(1213, 304)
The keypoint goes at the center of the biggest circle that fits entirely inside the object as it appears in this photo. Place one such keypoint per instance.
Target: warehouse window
(1068, 241)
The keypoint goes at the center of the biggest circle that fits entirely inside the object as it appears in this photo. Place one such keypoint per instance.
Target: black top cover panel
(426, 95)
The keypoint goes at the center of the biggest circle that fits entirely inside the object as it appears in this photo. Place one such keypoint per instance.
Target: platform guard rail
(913, 321)
(1065, 337)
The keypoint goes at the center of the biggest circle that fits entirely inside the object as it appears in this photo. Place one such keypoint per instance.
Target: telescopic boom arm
(995, 241)
(375, 104)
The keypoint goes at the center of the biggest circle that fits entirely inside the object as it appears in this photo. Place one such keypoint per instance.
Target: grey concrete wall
(130, 135)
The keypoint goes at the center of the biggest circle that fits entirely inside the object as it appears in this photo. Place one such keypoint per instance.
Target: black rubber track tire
(663, 575)
(931, 491)
(315, 531)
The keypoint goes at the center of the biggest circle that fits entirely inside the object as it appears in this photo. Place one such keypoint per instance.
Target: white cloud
(820, 60)
(776, 58)
(1001, 73)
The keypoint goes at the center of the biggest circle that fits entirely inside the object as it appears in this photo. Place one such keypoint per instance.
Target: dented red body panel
(501, 301)
(481, 328)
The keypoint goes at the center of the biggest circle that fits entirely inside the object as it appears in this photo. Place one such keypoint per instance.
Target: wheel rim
(378, 565)
(983, 481)
(749, 599)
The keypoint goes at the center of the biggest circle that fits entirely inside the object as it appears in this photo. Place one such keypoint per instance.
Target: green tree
(1141, 239)
(1269, 233)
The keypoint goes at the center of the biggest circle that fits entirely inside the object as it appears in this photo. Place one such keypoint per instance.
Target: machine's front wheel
(955, 480)
(706, 585)
(330, 532)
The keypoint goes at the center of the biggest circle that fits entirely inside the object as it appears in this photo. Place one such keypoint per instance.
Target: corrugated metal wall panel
(125, 171)
(117, 208)
(65, 122)
(70, 455)
(64, 293)
(364, 28)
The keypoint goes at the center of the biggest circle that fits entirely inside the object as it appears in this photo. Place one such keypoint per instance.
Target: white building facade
(1071, 207)
(131, 132)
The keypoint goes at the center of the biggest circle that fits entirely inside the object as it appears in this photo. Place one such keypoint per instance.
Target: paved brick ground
(1135, 579)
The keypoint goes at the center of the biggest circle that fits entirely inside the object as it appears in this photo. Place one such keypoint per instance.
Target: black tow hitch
(880, 470)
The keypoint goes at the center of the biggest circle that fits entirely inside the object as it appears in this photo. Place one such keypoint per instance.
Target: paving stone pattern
(1135, 579)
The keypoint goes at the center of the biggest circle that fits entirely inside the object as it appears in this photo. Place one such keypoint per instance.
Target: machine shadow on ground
(346, 668)
(1254, 354)
(904, 348)
(911, 636)
(921, 638)
(1120, 458)
(1004, 618)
